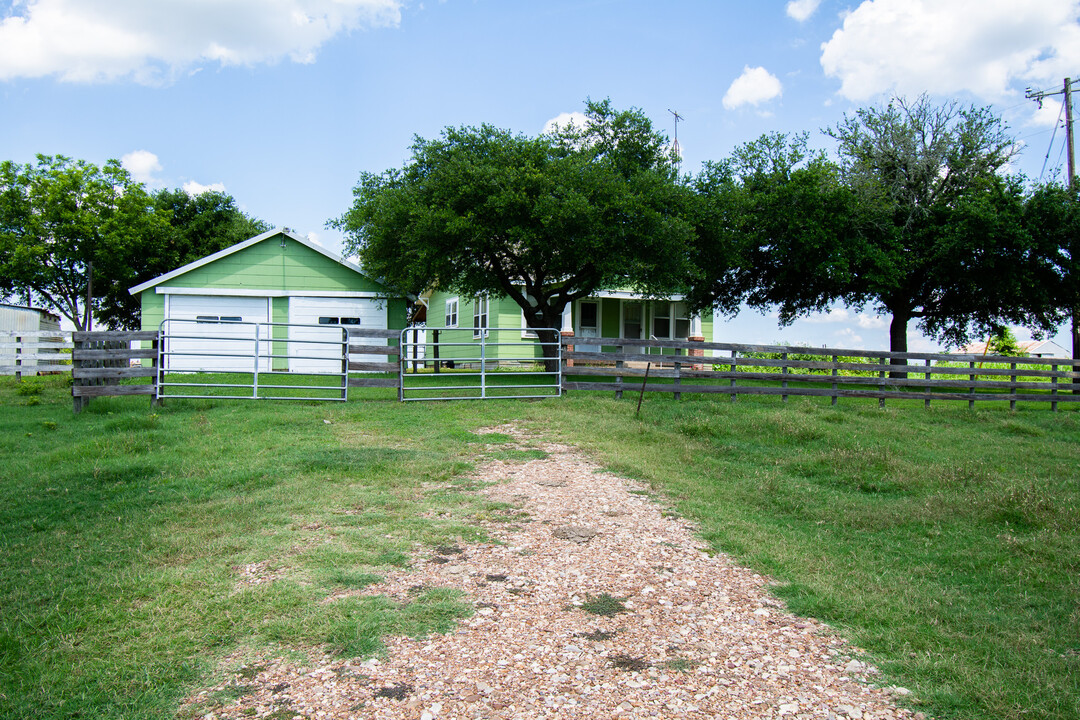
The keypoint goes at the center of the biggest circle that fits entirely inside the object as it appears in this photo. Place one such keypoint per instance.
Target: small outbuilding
(278, 279)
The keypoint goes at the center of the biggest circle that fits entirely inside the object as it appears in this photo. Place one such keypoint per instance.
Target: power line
(1051, 147)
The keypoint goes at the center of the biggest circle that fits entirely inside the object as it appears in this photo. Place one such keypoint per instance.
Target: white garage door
(214, 332)
(325, 316)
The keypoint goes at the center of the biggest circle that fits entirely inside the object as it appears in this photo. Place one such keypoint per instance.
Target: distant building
(15, 319)
(1031, 348)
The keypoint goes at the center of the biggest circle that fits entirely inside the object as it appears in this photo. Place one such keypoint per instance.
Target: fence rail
(817, 372)
(29, 352)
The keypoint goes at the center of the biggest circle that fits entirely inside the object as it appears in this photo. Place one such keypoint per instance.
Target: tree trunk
(549, 349)
(898, 340)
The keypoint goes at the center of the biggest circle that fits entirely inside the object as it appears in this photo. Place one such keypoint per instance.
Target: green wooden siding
(268, 266)
(505, 313)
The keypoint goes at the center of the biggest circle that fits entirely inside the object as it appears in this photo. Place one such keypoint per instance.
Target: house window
(480, 316)
(217, 318)
(682, 321)
(631, 326)
(661, 323)
(526, 331)
(451, 313)
(339, 320)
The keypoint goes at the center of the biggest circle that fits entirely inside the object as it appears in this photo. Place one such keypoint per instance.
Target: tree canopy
(197, 225)
(69, 229)
(775, 228)
(60, 219)
(942, 237)
(544, 220)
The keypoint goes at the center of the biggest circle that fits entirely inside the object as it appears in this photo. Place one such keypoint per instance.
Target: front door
(632, 320)
(588, 323)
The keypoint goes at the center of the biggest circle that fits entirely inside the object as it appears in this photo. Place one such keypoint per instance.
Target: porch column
(696, 335)
(568, 330)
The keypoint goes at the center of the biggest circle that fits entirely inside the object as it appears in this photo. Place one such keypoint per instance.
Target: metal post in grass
(255, 377)
(483, 364)
(641, 396)
(971, 389)
(926, 402)
(835, 371)
(783, 371)
(155, 398)
(1012, 390)
(435, 348)
(881, 384)
(734, 364)
(345, 365)
(18, 357)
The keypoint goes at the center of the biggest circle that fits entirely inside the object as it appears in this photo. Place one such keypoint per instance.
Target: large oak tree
(544, 220)
(943, 241)
(63, 225)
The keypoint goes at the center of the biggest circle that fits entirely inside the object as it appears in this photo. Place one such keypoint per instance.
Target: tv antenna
(675, 143)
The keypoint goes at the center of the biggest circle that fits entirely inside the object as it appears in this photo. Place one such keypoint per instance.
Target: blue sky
(282, 103)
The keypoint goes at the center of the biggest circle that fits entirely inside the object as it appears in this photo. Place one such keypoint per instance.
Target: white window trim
(526, 331)
(481, 311)
(579, 314)
(446, 314)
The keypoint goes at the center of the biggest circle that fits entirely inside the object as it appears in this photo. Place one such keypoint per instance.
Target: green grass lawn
(945, 542)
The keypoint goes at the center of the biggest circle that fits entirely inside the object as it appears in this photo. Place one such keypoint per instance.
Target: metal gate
(224, 359)
(478, 364)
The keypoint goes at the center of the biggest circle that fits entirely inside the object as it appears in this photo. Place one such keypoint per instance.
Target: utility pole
(1038, 96)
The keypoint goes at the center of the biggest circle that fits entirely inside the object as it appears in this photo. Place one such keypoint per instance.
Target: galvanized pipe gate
(479, 364)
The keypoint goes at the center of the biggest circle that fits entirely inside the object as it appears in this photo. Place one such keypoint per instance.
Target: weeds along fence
(674, 366)
(101, 360)
(30, 352)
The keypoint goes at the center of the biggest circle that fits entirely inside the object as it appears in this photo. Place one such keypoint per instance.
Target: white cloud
(151, 42)
(564, 120)
(848, 338)
(802, 9)
(753, 87)
(194, 188)
(946, 47)
(142, 164)
(313, 238)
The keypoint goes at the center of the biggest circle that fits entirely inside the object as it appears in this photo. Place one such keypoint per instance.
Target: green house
(607, 314)
(277, 283)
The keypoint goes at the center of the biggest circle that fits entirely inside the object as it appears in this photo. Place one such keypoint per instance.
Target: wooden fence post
(619, 364)
(734, 364)
(1053, 390)
(926, 403)
(678, 374)
(783, 371)
(835, 371)
(971, 388)
(1012, 390)
(155, 362)
(881, 384)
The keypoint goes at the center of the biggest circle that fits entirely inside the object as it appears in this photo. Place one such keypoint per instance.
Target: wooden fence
(622, 365)
(28, 352)
(100, 360)
(390, 350)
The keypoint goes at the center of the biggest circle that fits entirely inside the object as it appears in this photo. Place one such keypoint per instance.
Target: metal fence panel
(244, 360)
(478, 364)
